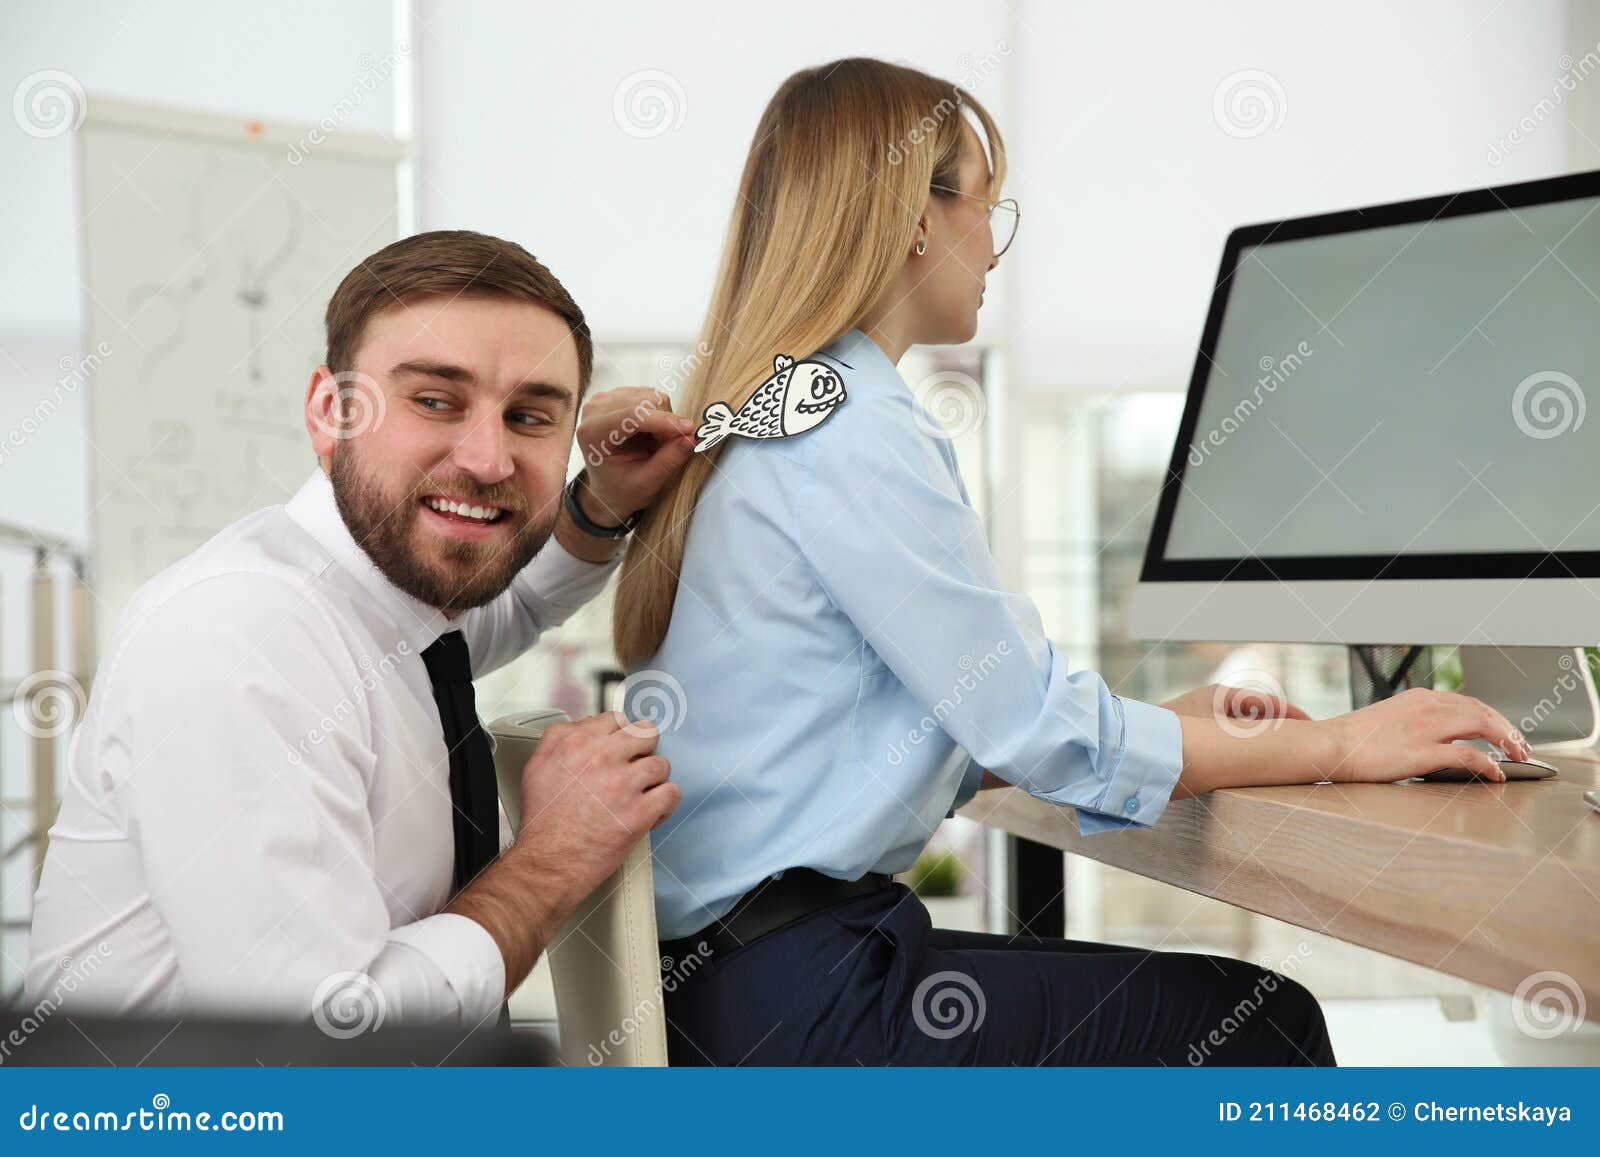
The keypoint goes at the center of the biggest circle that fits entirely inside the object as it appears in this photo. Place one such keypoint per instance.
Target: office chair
(605, 961)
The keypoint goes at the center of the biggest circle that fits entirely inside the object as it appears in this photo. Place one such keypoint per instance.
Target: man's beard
(386, 527)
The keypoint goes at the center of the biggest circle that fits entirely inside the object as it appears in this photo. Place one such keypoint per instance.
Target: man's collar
(314, 509)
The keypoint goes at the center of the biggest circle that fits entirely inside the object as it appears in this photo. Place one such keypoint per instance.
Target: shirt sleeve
(242, 756)
(971, 781)
(884, 523)
(544, 595)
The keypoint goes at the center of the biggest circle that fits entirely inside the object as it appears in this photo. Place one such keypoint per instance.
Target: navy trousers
(869, 981)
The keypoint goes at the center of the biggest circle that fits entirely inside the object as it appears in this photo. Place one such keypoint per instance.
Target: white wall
(1130, 184)
(517, 136)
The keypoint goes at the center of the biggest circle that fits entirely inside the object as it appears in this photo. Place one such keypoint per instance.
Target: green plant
(936, 874)
(1447, 669)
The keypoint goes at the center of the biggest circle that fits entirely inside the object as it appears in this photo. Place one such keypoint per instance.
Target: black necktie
(474, 797)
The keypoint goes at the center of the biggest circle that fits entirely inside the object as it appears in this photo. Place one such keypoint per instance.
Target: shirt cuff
(466, 954)
(563, 582)
(1143, 772)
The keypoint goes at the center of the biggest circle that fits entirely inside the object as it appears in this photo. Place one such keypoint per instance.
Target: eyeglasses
(1004, 216)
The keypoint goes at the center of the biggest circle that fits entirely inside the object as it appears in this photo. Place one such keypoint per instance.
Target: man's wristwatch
(586, 524)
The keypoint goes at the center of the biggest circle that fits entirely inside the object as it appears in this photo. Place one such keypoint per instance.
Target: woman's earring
(922, 246)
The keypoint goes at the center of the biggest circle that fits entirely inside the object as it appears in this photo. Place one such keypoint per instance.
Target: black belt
(769, 906)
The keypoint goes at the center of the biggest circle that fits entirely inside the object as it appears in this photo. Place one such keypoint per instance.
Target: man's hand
(632, 445)
(590, 791)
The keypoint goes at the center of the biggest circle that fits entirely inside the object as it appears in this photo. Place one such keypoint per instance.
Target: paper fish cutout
(798, 397)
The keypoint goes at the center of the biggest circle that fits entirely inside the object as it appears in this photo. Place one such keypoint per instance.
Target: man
(280, 797)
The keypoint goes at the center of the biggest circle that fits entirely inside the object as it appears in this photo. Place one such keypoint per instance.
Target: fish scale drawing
(798, 397)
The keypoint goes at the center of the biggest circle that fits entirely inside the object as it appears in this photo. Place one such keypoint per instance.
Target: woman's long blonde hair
(833, 188)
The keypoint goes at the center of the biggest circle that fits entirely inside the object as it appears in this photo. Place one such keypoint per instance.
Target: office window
(1092, 466)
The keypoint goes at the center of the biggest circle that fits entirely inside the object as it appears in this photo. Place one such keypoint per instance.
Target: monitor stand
(1378, 671)
(1547, 692)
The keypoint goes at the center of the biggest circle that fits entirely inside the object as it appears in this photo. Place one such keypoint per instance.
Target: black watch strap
(586, 524)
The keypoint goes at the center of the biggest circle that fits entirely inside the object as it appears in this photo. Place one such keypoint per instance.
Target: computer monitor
(1386, 438)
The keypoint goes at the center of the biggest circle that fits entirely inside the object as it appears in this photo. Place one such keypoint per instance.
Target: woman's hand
(1219, 701)
(1397, 738)
(1411, 734)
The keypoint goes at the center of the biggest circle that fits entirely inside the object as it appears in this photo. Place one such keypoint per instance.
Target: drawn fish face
(814, 390)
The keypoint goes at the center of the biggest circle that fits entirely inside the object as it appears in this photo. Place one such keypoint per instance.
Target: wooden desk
(1491, 882)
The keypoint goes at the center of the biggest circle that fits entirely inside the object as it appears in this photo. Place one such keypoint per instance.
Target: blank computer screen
(1412, 389)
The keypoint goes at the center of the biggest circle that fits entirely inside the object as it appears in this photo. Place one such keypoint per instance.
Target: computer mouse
(1530, 768)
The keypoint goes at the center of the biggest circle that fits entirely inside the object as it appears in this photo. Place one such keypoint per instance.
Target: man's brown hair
(448, 262)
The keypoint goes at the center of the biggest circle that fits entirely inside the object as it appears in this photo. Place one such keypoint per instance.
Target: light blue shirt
(841, 641)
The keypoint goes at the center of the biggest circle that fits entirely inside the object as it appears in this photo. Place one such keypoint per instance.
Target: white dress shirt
(257, 812)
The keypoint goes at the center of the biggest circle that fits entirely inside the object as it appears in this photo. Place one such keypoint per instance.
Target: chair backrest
(604, 962)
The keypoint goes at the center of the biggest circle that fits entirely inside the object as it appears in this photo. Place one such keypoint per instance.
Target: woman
(851, 664)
